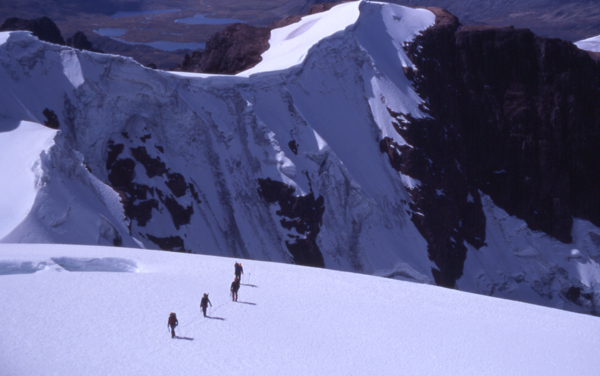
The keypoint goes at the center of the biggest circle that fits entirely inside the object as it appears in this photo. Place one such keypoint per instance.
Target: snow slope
(288, 46)
(23, 146)
(103, 311)
(590, 44)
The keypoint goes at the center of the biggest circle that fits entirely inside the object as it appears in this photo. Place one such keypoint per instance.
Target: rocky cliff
(43, 28)
(514, 116)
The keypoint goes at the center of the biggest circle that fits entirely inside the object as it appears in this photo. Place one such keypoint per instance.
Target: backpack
(172, 319)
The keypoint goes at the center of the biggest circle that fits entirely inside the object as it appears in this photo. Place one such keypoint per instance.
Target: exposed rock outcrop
(232, 50)
(514, 116)
(303, 214)
(43, 28)
(51, 119)
(81, 42)
(237, 47)
(139, 200)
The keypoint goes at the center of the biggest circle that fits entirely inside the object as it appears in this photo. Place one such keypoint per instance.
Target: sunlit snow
(77, 310)
(590, 44)
(20, 170)
(288, 46)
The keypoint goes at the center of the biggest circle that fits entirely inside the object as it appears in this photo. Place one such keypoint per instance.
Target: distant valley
(150, 31)
(162, 32)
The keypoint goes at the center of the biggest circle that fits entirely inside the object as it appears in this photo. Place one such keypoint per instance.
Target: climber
(238, 271)
(172, 323)
(235, 286)
(204, 304)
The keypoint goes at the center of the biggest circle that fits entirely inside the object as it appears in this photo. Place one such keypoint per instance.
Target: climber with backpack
(172, 323)
(235, 286)
(204, 303)
(238, 270)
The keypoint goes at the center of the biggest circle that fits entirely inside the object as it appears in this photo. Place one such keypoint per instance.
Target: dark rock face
(43, 28)
(170, 243)
(154, 166)
(302, 213)
(140, 200)
(181, 215)
(145, 55)
(293, 145)
(81, 42)
(446, 210)
(121, 173)
(323, 7)
(230, 51)
(544, 104)
(177, 184)
(51, 119)
(513, 115)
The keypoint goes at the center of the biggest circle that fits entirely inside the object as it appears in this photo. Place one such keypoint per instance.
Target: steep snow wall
(24, 148)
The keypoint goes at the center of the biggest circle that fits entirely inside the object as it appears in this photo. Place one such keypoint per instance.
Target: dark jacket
(205, 302)
(238, 269)
(235, 285)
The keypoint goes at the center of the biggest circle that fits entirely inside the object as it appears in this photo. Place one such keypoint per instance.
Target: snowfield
(81, 310)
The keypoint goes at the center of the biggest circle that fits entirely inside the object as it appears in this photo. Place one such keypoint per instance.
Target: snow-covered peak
(591, 44)
(290, 45)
